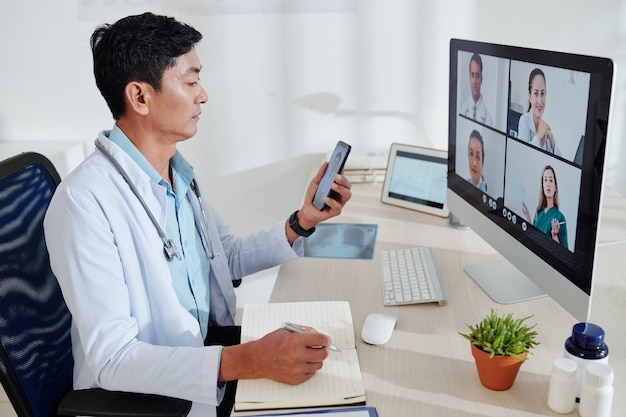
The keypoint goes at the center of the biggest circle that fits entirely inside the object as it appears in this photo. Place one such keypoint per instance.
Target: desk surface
(427, 368)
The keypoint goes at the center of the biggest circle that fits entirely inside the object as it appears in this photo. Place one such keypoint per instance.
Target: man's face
(476, 80)
(175, 109)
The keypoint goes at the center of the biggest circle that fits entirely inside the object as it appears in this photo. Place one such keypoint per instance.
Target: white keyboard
(410, 276)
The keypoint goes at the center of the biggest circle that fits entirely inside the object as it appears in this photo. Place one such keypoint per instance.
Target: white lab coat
(129, 331)
(482, 114)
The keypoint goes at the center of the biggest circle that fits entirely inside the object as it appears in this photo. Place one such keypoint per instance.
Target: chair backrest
(35, 345)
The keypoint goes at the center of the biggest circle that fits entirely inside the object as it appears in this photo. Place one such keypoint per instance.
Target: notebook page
(332, 318)
(338, 382)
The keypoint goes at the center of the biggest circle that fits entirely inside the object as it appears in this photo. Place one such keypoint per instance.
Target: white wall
(282, 85)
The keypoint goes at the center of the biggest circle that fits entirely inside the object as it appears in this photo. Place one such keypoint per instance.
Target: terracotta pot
(497, 373)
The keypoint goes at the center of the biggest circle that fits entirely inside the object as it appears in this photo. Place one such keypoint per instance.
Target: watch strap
(295, 226)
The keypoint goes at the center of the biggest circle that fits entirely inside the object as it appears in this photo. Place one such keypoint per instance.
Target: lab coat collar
(153, 194)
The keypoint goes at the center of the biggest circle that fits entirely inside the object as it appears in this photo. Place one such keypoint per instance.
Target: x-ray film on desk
(342, 240)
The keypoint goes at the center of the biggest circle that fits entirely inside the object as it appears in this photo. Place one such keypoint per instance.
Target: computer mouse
(377, 328)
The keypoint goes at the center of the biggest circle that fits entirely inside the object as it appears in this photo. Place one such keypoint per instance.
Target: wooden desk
(427, 368)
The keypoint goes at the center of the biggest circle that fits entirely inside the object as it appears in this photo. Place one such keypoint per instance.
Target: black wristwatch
(293, 223)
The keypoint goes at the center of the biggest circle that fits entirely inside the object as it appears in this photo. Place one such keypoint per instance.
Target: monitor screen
(526, 145)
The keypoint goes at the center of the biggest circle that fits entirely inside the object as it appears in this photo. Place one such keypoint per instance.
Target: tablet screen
(416, 178)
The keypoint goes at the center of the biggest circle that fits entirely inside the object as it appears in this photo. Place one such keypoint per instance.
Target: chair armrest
(99, 402)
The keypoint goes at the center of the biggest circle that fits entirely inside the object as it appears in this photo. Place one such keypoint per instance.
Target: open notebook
(339, 382)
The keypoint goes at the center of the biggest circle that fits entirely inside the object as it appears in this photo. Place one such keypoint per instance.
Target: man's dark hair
(137, 48)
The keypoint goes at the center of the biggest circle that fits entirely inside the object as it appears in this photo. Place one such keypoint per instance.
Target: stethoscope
(169, 247)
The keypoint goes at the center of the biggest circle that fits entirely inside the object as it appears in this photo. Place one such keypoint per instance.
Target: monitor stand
(504, 283)
(457, 223)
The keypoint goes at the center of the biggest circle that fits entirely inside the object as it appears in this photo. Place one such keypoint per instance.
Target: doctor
(474, 107)
(144, 261)
(531, 126)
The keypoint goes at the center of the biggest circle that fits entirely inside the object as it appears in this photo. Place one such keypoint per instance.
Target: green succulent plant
(502, 335)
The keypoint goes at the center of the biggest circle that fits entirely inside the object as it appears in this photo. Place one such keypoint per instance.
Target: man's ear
(138, 95)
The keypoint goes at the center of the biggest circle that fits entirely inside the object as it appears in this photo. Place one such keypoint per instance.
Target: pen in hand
(296, 329)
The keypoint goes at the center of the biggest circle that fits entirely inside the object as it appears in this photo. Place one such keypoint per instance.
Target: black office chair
(35, 348)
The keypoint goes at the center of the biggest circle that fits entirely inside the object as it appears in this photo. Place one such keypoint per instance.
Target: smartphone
(335, 166)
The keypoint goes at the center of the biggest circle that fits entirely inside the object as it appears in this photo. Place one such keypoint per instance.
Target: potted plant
(500, 344)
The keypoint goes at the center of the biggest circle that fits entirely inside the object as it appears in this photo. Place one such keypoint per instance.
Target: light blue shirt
(526, 131)
(482, 185)
(190, 274)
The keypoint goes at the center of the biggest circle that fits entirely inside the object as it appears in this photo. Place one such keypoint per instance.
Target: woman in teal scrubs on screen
(548, 217)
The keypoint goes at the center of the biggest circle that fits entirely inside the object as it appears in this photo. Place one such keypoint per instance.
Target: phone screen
(335, 165)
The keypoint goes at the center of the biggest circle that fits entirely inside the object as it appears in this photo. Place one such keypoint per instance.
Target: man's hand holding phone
(326, 195)
(334, 167)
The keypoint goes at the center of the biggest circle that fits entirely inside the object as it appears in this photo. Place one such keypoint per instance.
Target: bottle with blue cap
(586, 345)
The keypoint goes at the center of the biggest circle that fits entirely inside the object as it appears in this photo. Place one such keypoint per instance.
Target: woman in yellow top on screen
(548, 217)
(532, 127)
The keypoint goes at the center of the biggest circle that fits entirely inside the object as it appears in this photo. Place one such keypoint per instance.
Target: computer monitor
(526, 148)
